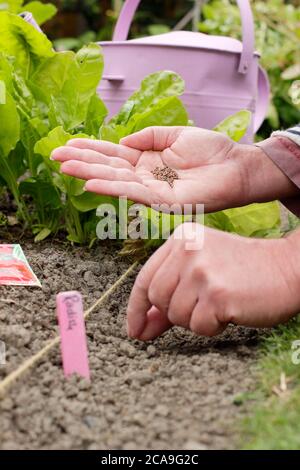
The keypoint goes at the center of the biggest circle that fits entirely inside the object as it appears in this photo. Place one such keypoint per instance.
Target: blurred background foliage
(78, 22)
(277, 39)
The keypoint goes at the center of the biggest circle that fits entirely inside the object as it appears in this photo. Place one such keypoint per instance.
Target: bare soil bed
(175, 393)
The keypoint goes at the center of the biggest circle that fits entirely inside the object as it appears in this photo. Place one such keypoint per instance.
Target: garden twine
(32, 361)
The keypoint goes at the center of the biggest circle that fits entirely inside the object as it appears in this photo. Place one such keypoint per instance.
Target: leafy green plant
(277, 39)
(42, 12)
(48, 98)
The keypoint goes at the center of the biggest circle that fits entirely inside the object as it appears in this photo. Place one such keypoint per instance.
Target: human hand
(229, 279)
(212, 169)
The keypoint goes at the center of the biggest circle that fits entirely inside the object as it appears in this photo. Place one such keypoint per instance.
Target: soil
(166, 174)
(175, 393)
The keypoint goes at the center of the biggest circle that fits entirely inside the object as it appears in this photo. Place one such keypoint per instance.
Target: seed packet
(15, 269)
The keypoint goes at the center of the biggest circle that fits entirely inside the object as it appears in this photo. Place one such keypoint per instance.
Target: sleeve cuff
(286, 155)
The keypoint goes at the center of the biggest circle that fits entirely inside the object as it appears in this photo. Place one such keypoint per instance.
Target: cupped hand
(208, 169)
(205, 286)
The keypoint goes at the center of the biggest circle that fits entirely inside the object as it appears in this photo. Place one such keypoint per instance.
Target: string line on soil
(33, 360)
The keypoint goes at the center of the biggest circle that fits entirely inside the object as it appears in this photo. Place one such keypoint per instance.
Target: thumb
(153, 138)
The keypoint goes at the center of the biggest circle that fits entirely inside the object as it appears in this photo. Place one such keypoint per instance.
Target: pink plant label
(73, 335)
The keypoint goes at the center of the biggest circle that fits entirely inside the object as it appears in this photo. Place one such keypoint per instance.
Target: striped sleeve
(293, 134)
(283, 148)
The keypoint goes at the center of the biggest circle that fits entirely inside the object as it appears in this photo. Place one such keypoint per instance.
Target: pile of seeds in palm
(166, 174)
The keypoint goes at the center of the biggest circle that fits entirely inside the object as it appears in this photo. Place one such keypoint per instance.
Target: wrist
(263, 181)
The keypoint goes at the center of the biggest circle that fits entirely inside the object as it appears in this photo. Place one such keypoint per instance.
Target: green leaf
(9, 123)
(41, 12)
(167, 112)
(70, 107)
(89, 201)
(41, 190)
(249, 221)
(58, 137)
(219, 221)
(42, 235)
(154, 88)
(6, 73)
(235, 126)
(156, 103)
(22, 41)
(2, 92)
(112, 133)
(14, 6)
(96, 114)
(50, 76)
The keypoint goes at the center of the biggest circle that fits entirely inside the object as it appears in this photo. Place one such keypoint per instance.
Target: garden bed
(178, 392)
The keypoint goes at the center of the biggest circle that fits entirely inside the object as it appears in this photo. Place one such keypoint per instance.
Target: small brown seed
(166, 174)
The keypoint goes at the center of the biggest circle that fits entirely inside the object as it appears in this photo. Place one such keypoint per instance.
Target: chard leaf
(56, 138)
(235, 126)
(13, 6)
(51, 75)
(70, 107)
(73, 187)
(219, 221)
(167, 112)
(249, 221)
(6, 72)
(256, 217)
(86, 202)
(41, 191)
(96, 114)
(156, 103)
(112, 133)
(41, 12)
(2, 92)
(23, 42)
(154, 88)
(9, 122)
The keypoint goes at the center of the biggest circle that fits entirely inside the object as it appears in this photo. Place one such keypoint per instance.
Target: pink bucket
(222, 74)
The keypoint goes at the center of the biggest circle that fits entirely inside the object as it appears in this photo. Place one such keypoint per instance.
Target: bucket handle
(130, 7)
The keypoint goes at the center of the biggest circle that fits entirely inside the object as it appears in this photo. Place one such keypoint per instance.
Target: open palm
(208, 173)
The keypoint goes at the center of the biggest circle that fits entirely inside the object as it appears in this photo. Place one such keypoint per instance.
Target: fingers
(204, 320)
(139, 304)
(157, 324)
(107, 148)
(153, 138)
(64, 154)
(132, 190)
(89, 171)
(182, 304)
(163, 285)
